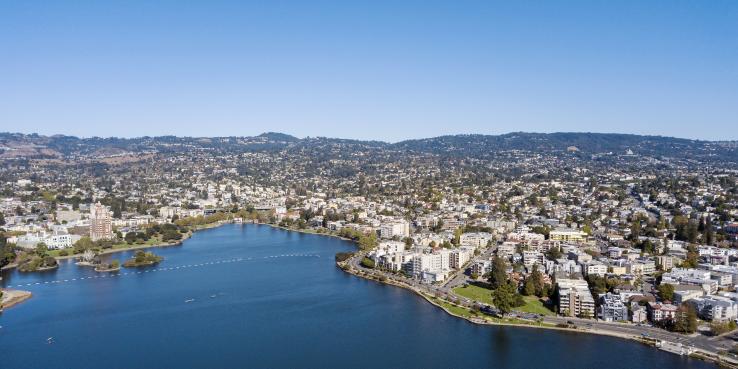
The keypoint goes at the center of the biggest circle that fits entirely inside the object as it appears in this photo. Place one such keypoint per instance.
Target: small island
(142, 258)
(37, 263)
(113, 266)
(37, 260)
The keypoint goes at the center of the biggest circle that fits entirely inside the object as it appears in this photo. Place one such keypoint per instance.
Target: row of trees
(168, 232)
(685, 229)
(367, 241)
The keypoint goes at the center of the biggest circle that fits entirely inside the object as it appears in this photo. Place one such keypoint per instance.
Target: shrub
(368, 263)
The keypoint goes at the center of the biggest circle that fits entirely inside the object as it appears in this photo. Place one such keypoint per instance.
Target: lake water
(261, 297)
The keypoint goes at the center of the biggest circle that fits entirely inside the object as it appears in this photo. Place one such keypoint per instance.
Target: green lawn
(476, 293)
(453, 308)
(467, 313)
(484, 295)
(535, 306)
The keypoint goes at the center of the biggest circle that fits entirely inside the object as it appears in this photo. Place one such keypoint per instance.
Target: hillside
(588, 145)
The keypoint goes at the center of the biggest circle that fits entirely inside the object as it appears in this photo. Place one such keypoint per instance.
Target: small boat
(212, 296)
(189, 300)
(50, 340)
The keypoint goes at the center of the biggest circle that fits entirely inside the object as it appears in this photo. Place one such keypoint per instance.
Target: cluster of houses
(577, 257)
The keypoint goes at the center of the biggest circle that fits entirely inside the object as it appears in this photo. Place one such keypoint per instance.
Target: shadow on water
(501, 345)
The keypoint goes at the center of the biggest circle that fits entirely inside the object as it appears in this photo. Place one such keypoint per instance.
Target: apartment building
(575, 298)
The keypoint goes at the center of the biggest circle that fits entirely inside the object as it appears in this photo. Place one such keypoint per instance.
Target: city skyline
(390, 71)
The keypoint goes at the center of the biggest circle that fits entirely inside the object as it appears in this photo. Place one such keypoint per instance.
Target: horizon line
(365, 140)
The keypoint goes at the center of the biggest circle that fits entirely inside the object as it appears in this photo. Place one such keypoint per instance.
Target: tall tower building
(101, 225)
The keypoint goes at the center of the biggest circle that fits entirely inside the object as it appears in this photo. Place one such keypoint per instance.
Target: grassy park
(481, 294)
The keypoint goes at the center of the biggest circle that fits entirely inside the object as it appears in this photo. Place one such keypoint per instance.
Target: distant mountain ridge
(17, 145)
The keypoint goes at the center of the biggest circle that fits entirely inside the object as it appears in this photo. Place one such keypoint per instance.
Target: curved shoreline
(698, 353)
(13, 297)
(484, 320)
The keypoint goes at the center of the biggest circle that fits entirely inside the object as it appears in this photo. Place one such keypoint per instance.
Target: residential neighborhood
(621, 238)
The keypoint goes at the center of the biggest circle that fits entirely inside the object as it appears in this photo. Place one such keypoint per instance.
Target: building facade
(101, 225)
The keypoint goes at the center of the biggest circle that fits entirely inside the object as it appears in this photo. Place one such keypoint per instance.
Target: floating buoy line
(160, 269)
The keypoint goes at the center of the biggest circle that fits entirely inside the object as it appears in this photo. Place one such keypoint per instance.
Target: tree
(88, 256)
(368, 242)
(709, 233)
(536, 278)
(7, 252)
(718, 328)
(49, 261)
(84, 243)
(498, 274)
(529, 289)
(116, 211)
(647, 247)
(686, 319)
(41, 249)
(457, 237)
(692, 257)
(504, 297)
(408, 242)
(130, 238)
(666, 291)
(368, 263)
(692, 233)
(553, 253)
(635, 229)
(171, 235)
(691, 319)
(597, 284)
(585, 314)
(139, 256)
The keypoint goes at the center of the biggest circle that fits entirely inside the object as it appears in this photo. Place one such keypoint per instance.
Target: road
(458, 277)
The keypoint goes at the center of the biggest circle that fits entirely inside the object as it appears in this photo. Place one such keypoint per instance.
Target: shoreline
(138, 247)
(18, 296)
(185, 237)
(698, 353)
(13, 297)
(131, 248)
(303, 231)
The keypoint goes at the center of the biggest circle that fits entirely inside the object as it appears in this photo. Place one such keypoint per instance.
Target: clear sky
(387, 70)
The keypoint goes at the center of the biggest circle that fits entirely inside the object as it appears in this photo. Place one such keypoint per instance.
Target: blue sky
(387, 70)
